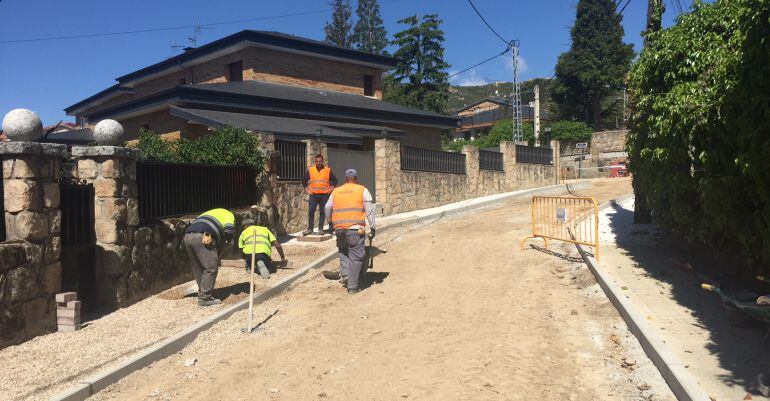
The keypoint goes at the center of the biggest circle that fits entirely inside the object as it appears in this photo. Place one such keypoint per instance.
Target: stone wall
(606, 147)
(30, 270)
(403, 191)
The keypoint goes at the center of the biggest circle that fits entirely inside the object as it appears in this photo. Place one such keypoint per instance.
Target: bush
(229, 146)
(698, 140)
(502, 131)
(570, 131)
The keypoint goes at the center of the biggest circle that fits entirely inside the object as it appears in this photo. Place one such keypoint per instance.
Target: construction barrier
(572, 219)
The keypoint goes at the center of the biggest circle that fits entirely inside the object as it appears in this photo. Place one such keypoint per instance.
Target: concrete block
(67, 328)
(68, 321)
(66, 297)
(66, 312)
(76, 305)
(314, 238)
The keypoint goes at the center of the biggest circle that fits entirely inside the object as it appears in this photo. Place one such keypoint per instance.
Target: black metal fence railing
(2, 210)
(292, 162)
(490, 160)
(77, 214)
(432, 160)
(176, 189)
(532, 154)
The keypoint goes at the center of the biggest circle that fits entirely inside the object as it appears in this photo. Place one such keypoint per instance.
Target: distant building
(478, 118)
(292, 87)
(63, 133)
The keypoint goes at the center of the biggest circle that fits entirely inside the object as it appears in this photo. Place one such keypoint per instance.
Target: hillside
(460, 96)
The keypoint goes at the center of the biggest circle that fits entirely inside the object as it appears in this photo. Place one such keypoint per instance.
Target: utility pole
(518, 134)
(537, 115)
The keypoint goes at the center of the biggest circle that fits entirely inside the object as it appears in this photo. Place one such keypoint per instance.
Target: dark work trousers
(352, 258)
(205, 263)
(317, 201)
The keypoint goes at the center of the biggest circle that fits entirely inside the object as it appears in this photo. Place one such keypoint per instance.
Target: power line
(487, 23)
(624, 7)
(170, 28)
(507, 49)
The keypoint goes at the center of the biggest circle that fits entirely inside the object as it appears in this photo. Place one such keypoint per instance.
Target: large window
(235, 72)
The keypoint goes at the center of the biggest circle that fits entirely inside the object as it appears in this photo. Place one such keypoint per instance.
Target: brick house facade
(252, 78)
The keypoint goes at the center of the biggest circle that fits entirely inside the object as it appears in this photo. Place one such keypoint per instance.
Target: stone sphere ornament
(22, 125)
(108, 133)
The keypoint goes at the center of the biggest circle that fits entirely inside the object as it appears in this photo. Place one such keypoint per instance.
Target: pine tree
(596, 64)
(369, 34)
(420, 78)
(338, 29)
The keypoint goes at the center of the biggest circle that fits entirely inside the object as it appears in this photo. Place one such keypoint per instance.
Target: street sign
(581, 145)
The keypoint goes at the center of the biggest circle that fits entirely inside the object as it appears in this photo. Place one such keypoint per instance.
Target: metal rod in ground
(248, 328)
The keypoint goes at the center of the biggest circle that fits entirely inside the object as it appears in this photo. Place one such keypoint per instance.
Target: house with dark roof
(292, 87)
(478, 118)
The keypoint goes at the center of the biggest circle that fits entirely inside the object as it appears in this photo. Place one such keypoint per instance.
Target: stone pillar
(387, 175)
(508, 150)
(472, 171)
(32, 275)
(555, 147)
(112, 171)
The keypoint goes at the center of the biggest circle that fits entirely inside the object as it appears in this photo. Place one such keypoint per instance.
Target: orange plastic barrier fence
(572, 219)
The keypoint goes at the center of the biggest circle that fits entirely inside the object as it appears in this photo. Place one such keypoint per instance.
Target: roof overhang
(205, 99)
(97, 99)
(266, 40)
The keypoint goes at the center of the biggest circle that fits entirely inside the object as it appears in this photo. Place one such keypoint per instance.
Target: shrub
(229, 145)
(698, 140)
(570, 131)
(502, 131)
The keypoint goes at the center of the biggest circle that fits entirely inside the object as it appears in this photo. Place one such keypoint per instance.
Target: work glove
(371, 233)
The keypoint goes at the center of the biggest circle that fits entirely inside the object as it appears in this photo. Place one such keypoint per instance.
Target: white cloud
(469, 78)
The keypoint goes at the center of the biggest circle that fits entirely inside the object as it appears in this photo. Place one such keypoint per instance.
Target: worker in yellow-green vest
(207, 238)
(259, 240)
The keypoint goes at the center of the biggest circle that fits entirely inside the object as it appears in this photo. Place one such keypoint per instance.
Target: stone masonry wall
(30, 270)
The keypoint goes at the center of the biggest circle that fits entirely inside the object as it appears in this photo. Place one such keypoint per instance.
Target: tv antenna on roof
(197, 29)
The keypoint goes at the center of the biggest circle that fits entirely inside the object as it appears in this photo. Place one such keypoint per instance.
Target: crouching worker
(259, 240)
(207, 238)
(350, 207)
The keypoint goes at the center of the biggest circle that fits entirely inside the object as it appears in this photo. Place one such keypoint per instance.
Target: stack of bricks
(67, 312)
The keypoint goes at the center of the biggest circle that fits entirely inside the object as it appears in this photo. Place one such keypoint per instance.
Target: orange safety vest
(348, 207)
(320, 183)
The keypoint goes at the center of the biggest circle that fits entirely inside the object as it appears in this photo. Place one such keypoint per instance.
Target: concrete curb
(93, 384)
(682, 383)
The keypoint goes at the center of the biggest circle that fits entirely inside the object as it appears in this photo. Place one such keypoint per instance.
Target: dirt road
(456, 312)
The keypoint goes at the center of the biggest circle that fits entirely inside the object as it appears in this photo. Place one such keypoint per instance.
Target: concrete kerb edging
(682, 383)
(177, 342)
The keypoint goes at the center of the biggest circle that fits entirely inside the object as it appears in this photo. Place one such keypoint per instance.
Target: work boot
(306, 233)
(209, 302)
(353, 291)
(263, 270)
(344, 281)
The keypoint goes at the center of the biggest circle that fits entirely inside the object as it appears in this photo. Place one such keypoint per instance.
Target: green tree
(502, 131)
(420, 78)
(369, 34)
(596, 64)
(338, 29)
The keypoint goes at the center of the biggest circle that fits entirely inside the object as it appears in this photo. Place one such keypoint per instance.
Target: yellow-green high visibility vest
(261, 243)
(222, 221)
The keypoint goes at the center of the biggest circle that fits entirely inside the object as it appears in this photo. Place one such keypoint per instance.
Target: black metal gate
(78, 238)
(363, 161)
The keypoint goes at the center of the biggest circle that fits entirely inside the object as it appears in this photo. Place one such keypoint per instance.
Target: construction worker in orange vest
(319, 181)
(350, 206)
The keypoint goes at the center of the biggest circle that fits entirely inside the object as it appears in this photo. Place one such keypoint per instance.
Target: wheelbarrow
(743, 306)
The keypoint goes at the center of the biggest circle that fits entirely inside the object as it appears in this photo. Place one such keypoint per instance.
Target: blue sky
(46, 76)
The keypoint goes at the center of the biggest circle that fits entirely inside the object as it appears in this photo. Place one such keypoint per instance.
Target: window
(182, 81)
(235, 72)
(368, 85)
